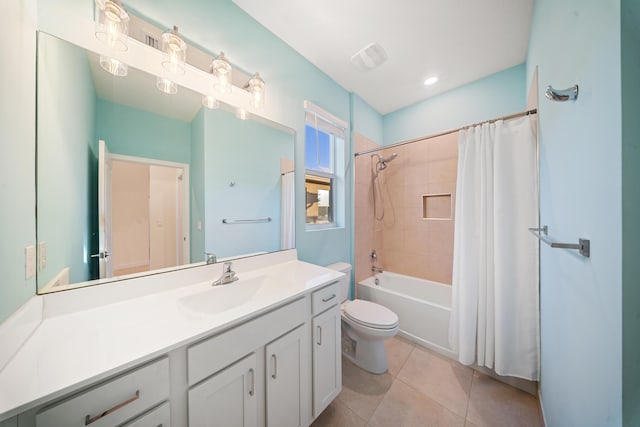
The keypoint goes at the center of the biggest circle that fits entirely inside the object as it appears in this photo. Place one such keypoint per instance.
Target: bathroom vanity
(172, 350)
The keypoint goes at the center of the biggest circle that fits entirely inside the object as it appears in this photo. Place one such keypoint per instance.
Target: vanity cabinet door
(286, 378)
(327, 362)
(226, 399)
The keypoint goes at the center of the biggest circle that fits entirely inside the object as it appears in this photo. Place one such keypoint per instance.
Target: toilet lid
(371, 314)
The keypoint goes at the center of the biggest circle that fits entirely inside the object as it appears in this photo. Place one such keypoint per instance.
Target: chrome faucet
(228, 275)
(375, 269)
(211, 258)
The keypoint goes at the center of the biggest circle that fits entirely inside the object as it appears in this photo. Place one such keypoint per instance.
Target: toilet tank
(345, 268)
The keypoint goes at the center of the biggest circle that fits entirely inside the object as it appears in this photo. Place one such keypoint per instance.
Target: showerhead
(388, 159)
(382, 162)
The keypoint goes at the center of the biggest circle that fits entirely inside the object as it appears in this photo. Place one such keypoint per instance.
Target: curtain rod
(423, 138)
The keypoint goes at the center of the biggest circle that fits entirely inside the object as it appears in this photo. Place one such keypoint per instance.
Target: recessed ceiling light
(430, 80)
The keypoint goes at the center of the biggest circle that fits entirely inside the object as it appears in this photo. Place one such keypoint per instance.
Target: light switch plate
(29, 262)
(42, 255)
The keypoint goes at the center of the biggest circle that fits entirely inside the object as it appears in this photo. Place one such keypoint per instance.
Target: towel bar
(583, 245)
(245, 221)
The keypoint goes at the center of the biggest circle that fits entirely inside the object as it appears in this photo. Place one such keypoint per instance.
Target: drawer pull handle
(274, 359)
(329, 299)
(253, 381)
(89, 420)
(319, 335)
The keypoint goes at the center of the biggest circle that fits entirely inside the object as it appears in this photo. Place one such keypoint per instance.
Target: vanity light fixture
(166, 86)
(221, 70)
(210, 102)
(241, 113)
(112, 27)
(255, 86)
(114, 66)
(112, 24)
(174, 51)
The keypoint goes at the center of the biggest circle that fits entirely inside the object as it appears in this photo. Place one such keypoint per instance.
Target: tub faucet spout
(375, 269)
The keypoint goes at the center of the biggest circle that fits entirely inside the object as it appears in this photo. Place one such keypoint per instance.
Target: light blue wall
(493, 96)
(578, 41)
(630, 211)
(365, 120)
(66, 163)
(242, 177)
(196, 171)
(134, 132)
(17, 152)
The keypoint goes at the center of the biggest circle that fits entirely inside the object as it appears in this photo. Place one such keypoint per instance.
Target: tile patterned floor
(423, 388)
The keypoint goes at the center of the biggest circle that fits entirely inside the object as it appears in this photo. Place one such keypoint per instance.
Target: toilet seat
(370, 314)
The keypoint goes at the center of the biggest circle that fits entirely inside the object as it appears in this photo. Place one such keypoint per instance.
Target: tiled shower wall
(405, 241)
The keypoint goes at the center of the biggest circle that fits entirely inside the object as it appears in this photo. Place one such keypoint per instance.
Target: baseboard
(541, 408)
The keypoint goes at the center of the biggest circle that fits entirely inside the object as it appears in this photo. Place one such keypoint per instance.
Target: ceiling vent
(369, 57)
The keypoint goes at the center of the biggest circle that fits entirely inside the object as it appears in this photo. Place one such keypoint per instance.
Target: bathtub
(422, 306)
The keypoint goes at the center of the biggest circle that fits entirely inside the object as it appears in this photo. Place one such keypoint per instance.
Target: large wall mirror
(132, 181)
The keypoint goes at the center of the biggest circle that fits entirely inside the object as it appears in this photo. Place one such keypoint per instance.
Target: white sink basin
(217, 299)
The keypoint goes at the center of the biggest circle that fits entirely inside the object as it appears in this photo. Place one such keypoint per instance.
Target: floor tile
(398, 350)
(495, 404)
(362, 391)
(403, 406)
(338, 414)
(439, 378)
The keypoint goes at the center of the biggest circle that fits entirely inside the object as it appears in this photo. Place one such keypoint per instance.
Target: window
(324, 161)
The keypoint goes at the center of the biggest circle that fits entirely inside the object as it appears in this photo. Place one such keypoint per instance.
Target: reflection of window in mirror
(324, 160)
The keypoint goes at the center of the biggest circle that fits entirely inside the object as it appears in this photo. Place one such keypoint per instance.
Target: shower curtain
(287, 212)
(494, 318)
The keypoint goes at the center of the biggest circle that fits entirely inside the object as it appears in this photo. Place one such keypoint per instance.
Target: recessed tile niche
(436, 206)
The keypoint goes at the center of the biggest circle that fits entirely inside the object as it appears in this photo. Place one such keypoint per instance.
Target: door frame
(186, 215)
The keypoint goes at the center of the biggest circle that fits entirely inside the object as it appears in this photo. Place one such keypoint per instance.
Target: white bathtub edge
(429, 345)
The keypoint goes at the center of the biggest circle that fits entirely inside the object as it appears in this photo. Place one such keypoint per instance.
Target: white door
(105, 261)
(284, 358)
(227, 399)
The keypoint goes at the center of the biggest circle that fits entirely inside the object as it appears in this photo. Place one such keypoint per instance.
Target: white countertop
(74, 349)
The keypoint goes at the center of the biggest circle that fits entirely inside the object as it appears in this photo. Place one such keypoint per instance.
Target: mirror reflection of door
(148, 210)
(105, 170)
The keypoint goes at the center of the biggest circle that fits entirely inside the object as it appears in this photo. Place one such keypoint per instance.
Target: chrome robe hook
(570, 94)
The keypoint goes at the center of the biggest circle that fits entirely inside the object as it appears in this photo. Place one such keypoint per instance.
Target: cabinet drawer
(213, 354)
(324, 298)
(113, 402)
(158, 417)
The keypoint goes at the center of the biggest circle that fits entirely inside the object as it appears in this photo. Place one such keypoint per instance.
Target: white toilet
(365, 326)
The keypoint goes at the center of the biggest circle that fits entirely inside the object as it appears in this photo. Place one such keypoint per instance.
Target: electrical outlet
(42, 255)
(29, 262)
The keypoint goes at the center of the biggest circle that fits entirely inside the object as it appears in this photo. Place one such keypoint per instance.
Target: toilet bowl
(365, 326)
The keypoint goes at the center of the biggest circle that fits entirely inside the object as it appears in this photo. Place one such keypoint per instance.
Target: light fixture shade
(210, 102)
(256, 89)
(114, 66)
(112, 24)
(221, 70)
(174, 51)
(166, 86)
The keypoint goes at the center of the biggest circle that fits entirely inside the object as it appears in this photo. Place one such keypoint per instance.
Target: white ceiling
(458, 40)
